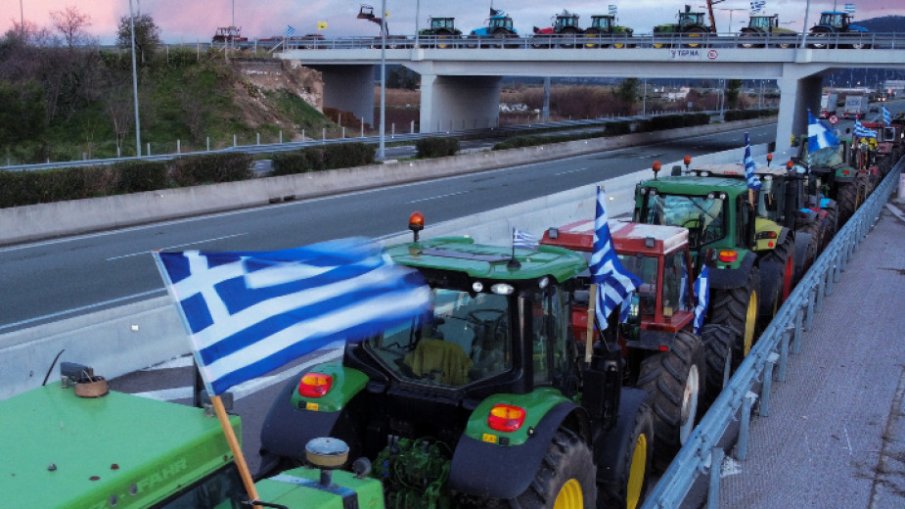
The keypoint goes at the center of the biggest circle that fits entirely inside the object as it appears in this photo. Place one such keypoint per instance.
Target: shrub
(531, 141)
(618, 128)
(298, 161)
(139, 176)
(31, 187)
(211, 169)
(347, 155)
(437, 147)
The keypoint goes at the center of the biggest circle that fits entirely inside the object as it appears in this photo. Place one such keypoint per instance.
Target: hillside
(62, 103)
(884, 24)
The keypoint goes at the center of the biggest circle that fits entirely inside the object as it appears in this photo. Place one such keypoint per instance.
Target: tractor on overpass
(689, 25)
(836, 29)
(767, 31)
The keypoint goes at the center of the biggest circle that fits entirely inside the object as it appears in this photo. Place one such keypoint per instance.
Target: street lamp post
(417, 15)
(135, 83)
(804, 28)
(381, 150)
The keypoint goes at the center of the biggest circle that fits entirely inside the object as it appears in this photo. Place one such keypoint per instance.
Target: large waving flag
(614, 282)
(702, 291)
(248, 313)
(819, 136)
(862, 132)
(887, 116)
(750, 177)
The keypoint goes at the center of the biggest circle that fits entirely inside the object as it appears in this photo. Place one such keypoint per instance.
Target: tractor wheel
(737, 308)
(783, 256)
(718, 341)
(565, 478)
(628, 449)
(571, 35)
(695, 33)
(847, 201)
(675, 381)
(819, 40)
(813, 230)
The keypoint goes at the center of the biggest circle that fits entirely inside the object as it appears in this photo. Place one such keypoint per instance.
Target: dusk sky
(197, 20)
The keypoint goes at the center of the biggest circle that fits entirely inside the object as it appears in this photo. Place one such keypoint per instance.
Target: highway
(51, 280)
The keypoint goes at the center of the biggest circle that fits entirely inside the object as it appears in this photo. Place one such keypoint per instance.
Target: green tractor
(690, 25)
(846, 184)
(727, 235)
(484, 401)
(76, 444)
(604, 29)
(680, 370)
(439, 31)
(765, 28)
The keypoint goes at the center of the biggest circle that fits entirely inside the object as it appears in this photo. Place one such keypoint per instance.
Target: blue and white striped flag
(849, 8)
(248, 313)
(702, 291)
(524, 239)
(819, 136)
(887, 116)
(750, 177)
(758, 5)
(612, 9)
(862, 132)
(614, 282)
(290, 31)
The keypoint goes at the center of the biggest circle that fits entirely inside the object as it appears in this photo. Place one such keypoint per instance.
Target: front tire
(626, 469)
(675, 381)
(565, 478)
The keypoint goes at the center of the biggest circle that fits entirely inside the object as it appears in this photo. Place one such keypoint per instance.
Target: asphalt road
(46, 281)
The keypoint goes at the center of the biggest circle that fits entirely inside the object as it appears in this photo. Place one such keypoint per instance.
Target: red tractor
(680, 370)
(565, 32)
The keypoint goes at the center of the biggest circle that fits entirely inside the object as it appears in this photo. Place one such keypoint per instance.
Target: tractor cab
(603, 22)
(687, 19)
(764, 22)
(838, 20)
(564, 21)
(500, 22)
(438, 24)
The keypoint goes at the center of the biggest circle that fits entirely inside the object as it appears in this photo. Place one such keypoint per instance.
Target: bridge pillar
(350, 88)
(798, 94)
(459, 102)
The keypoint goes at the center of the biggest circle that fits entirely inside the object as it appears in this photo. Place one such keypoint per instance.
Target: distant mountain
(884, 24)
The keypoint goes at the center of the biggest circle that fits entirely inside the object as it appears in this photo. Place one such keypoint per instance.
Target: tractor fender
(727, 279)
(492, 470)
(292, 421)
(857, 28)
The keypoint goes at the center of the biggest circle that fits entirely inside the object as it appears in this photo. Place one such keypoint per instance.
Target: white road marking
(447, 195)
(139, 253)
(81, 309)
(179, 362)
(576, 170)
(848, 441)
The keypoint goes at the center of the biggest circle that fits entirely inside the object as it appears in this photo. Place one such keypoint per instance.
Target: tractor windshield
(222, 489)
(761, 22)
(691, 18)
(833, 19)
(704, 216)
(466, 339)
(602, 22)
(645, 267)
(566, 21)
(438, 23)
(501, 23)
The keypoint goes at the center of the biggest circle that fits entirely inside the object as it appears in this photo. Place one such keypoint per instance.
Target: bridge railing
(860, 41)
(703, 453)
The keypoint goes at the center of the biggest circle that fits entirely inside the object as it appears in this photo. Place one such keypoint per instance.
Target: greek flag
(289, 31)
(614, 282)
(862, 132)
(523, 239)
(248, 313)
(750, 167)
(849, 8)
(612, 9)
(819, 136)
(702, 290)
(758, 5)
(887, 116)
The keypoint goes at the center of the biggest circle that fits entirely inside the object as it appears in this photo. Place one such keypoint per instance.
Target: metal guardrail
(860, 41)
(266, 148)
(702, 454)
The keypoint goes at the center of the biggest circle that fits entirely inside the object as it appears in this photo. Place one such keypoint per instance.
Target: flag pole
(592, 314)
(217, 403)
(234, 446)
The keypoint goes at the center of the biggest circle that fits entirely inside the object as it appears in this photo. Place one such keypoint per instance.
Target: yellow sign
(321, 25)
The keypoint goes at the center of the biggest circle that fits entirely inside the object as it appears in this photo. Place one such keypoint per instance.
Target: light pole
(21, 19)
(804, 28)
(417, 15)
(135, 84)
(381, 150)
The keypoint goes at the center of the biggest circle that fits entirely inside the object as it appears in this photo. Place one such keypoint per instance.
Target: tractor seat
(441, 361)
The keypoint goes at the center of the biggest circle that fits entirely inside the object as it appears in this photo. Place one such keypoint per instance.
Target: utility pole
(804, 28)
(417, 15)
(135, 84)
(381, 150)
(21, 19)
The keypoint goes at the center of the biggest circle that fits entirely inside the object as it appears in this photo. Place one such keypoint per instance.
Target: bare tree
(71, 23)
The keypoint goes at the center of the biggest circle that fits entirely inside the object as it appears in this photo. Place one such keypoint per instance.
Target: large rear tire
(565, 478)
(675, 382)
(782, 260)
(812, 230)
(628, 471)
(718, 341)
(737, 308)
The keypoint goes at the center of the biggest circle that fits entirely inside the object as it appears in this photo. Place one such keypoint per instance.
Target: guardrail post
(764, 409)
(830, 278)
(821, 292)
(716, 466)
(796, 333)
(178, 146)
(362, 128)
(257, 138)
(281, 136)
(323, 134)
(119, 153)
(208, 143)
(744, 426)
(809, 322)
(303, 135)
(783, 354)
(393, 130)
(148, 152)
(412, 129)
(344, 132)
(234, 140)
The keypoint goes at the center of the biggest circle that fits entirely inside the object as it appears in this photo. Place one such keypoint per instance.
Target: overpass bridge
(461, 78)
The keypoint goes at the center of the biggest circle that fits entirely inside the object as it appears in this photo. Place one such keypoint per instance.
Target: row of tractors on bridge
(508, 393)
(835, 29)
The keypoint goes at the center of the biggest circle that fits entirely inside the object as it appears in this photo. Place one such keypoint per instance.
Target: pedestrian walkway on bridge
(835, 435)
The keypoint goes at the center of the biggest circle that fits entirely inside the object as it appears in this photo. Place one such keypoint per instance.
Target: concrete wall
(800, 90)
(128, 338)
(349, 88)
(33, 222)
(459, 102)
